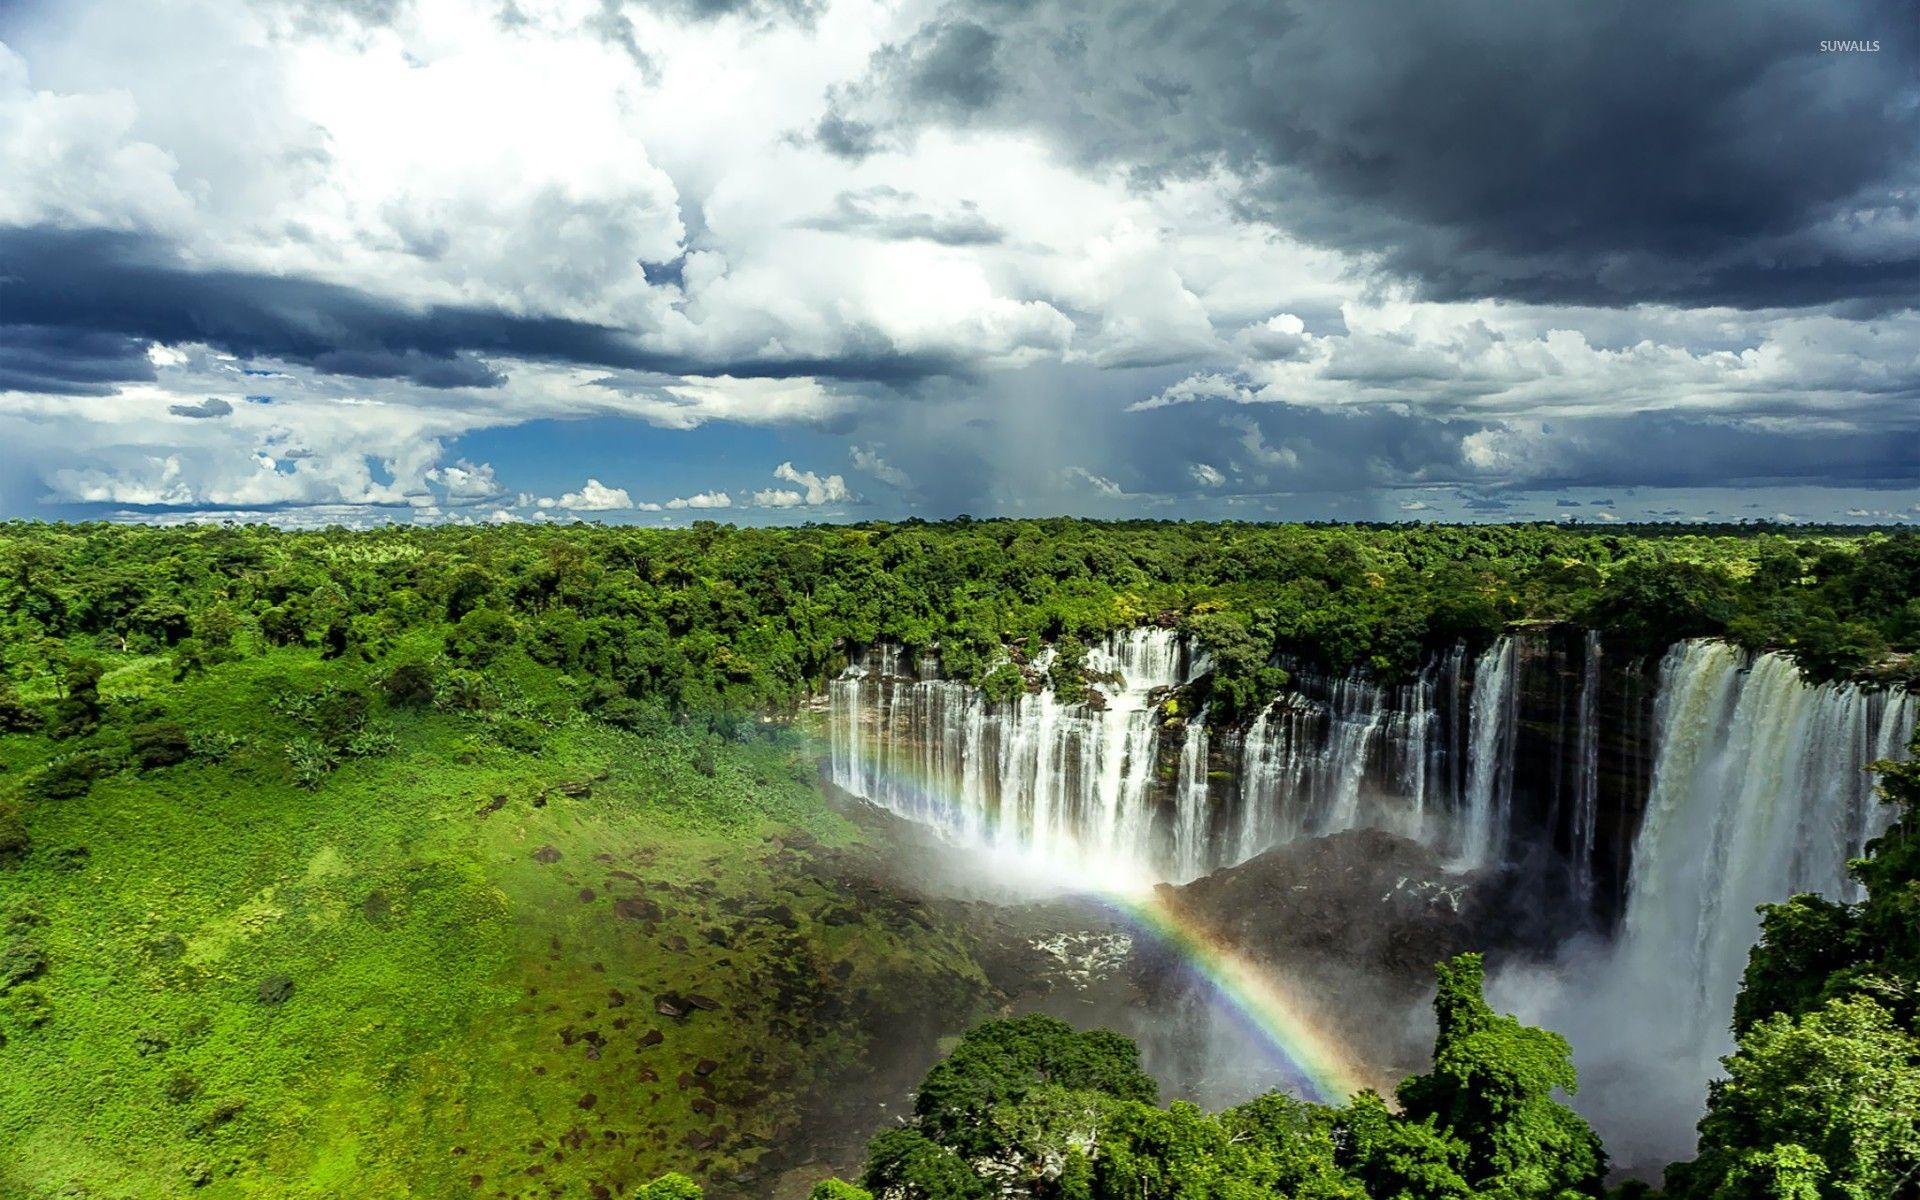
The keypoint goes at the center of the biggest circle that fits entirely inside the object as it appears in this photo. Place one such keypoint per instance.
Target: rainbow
(1307, 1046)
(1314, 1053)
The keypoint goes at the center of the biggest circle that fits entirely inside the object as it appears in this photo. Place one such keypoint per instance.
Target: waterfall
(1760, 790)
(1190, 858)
(1586, 776)
(1756, 785)
(1490, 739)
(1071, 783)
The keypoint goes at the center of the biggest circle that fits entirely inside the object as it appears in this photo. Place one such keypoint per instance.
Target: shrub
(409, 685)
(370, 742)
(311, 761)
(13, 831)
(518, 733)
(160, 744)
(21, 959)
(480, 636)
(16, 715)
(66, 778)
(214, 745)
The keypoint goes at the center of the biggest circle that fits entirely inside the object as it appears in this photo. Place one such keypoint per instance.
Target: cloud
(466, 483)
(1714, 156)
(888, 214)
(1099, 483)
(965, 233)
(701, 500)
(594, 496)
(814, 490)
(867, 458)
(1208, 386)
(212, 406)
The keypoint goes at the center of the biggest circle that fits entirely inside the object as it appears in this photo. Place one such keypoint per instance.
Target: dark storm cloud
(69, 362)
(844, 137)
(109, 292)
(1591, 153)
(888, 214)
(212, 406)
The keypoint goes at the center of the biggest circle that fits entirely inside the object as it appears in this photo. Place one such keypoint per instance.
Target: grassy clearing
(442, 972)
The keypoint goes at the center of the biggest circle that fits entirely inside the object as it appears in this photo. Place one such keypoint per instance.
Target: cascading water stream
(1069, 783)
(1190, 814)
(1490, 740)
(1760, 790)
(1586, 779)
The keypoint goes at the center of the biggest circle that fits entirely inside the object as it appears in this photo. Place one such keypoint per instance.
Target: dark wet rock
(671, 1005)
(652, 1037)
(546, 854)
(275, 989)
(1363, 897)
(587, 895)
(704, 1003)
(586, 1102)
(578, 789)
(493, 805)
(705, 1066)
(377, 908)
(676, 943)
(704, 1106)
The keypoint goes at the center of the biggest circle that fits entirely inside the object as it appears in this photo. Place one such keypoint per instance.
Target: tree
(1000, 1062)
(1825, 1106)
(77, 713)
(1492, 1088)
(672, 1186)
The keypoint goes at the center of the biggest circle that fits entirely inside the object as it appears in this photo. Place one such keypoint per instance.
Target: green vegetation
(1821, 1099)
(719, 620)
(1027, 1107)
(450, 862)
(290, 927)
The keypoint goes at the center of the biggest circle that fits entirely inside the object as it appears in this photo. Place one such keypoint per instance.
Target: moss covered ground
(470, 962)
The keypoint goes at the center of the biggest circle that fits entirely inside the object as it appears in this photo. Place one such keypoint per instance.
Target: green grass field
(441, 971)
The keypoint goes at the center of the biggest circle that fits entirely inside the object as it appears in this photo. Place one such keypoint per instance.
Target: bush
(21, 959)
(311, 761)
(480, 636)
(640, 716)
(66, 778)
(160, 744)
(669, 1187)
(370, 742)
(409, 685)
(13, 831)
(214, 745)
(518, 733)
(16, 715)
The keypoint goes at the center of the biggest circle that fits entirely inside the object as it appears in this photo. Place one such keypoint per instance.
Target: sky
(768, 261)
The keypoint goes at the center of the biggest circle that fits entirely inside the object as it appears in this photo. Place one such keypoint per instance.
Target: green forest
(451, 861)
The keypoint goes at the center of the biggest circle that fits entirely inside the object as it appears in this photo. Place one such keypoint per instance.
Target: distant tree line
(716, 619)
